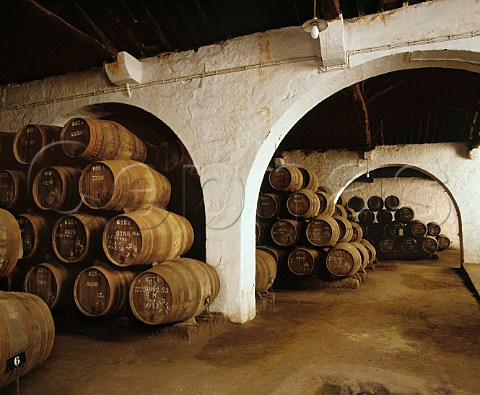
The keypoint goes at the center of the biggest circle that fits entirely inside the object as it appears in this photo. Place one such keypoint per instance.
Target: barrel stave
(173, 291)
(122, 184)
(145, 236)
(26, 325)
(95, 139)
(10, 243)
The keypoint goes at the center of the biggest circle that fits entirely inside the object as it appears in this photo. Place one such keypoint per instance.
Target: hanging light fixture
(315, 25)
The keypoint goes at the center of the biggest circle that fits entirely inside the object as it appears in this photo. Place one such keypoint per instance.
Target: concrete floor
(413, 328)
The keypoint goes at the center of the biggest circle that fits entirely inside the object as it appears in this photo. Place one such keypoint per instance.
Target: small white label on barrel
(76, 133)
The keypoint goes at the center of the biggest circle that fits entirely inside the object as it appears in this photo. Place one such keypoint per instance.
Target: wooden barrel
(346, 230)
(375, 203)
(10, 243)
(27, 334)
(13, 190)
(404, 214)
(56, 187)
(261, 231)
(409, 245)
(417, 228)
(351, 214)
(343, 260)
(265, 270)
(171, 156)
(366, 216)
(103, 291)
(146, 236)
(375, 231)
(268, 205)
(386, 244)
(95, 139)
(286, 232)
(53, 283)
(6, 150)
(310, 179)
(122, 184)
(303, 261)
(434, 229)
(356, 203)
(363, 252)
(323, 231)
(327, 204)
(392, 203)
(36, 231)
(396, 229)
(357, 232)
(429, 244)
(76, 237)
(277, 253)
(443, 242)
(371, 249)
(173, 291)
(384, 217)
(37, 143)
(340, 211)
(286, 178)
(303, 204)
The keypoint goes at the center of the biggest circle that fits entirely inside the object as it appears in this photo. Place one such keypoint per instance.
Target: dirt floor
(413, 328)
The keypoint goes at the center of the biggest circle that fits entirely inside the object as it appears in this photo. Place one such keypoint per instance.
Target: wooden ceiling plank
(82, 36)
(161, 9)
(387, 89)
(360, 7)
(381, 6)
(295, 9)
(121, 31)
(99, 32)
(156, 27)
(206, 22)
(330, 9)
(362, 111)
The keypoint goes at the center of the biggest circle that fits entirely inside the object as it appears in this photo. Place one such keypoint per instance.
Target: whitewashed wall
(444, 199)
(428, 199)
(232, 103)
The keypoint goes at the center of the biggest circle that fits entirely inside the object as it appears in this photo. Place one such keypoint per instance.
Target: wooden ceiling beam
(362, 111)
(55, 20)
(381, 6)
(361, 7)
(474, 137)
(330, 9)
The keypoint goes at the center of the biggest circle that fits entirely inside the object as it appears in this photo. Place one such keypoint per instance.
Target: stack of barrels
(26, 323)
(96, 234)
(395, 231)
(305, 232)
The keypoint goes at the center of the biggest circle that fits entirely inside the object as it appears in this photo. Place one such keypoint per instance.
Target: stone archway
(187, 194)
(454, 223)
(331, 83)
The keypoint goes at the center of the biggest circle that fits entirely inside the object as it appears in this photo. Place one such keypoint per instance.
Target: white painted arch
(427, 173)
(334, 82)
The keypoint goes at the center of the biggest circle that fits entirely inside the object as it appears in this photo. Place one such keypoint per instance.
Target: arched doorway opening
(167, 154)
(370, 134)
(410, 185)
